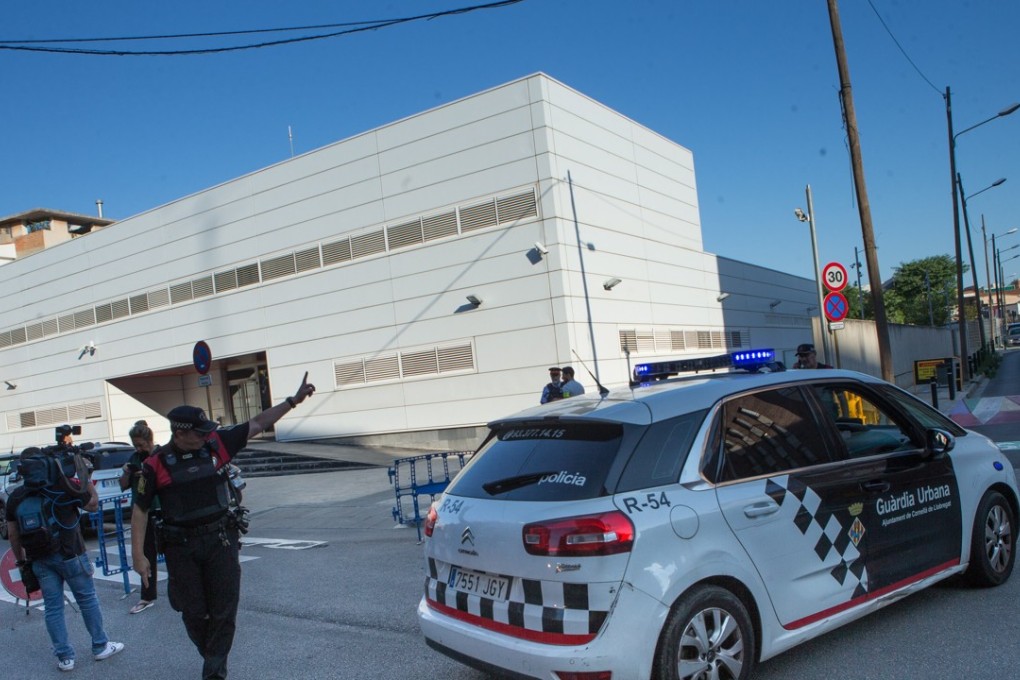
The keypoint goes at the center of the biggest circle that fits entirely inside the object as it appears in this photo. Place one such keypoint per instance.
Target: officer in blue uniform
(202, 522)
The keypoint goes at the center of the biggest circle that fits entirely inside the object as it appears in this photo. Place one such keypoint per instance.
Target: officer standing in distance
(202, 522)
(808, 358)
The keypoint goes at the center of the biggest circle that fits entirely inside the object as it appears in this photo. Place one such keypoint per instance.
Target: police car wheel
(993, 544)
(708, 635)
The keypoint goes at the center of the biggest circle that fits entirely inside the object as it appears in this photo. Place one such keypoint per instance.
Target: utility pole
(863, 206)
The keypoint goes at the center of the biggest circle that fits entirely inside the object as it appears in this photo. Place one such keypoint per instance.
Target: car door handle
(761, 509)
(875, 487)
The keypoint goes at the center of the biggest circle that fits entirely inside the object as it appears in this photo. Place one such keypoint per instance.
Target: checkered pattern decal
(832, 536)
(550, 608)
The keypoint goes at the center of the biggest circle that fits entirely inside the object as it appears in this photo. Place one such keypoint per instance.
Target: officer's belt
(200, 530)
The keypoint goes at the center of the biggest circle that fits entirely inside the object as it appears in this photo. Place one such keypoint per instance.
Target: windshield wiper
(515, 482)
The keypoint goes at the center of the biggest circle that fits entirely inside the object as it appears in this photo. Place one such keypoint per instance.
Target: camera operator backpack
(37, 526)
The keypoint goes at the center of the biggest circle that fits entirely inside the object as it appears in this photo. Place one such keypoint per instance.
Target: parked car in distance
(8, 482)
(108, 461)
(1013, 335)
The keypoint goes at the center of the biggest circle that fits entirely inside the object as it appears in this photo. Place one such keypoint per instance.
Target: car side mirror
(940, 441)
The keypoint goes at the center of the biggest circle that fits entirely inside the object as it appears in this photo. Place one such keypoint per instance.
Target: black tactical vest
(197, 493)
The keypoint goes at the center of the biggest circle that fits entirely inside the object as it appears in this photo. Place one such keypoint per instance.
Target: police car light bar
(750, 360)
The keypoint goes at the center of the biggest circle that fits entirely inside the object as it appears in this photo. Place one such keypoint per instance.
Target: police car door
(911, 511)
(789, 500)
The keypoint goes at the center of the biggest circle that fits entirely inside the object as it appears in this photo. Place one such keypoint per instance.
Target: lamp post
(970, 248)
(998, 275)
(810, 219)
(993, 314)
(965, 368)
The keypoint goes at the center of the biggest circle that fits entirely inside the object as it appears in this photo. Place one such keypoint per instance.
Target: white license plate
(108, 483)
(479, 583)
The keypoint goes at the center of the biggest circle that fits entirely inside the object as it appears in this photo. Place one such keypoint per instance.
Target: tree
(923, 292)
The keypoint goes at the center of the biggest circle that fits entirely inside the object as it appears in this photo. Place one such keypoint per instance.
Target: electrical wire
(358, 27)
(902, 51)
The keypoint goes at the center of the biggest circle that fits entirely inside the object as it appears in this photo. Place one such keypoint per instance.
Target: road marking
(282, 543)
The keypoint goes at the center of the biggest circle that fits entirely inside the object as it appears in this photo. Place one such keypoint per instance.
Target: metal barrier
(116, 506)
(425, 475)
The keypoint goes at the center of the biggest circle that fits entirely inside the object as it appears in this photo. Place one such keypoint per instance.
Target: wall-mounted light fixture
(612, 283)
(10, 385)
(775, 303)
(474, 300)
(721, 296)
(89, 349)
(540, 247)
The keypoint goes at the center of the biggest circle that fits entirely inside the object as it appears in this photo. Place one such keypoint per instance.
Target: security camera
(611, 283)
(540, 247)
(800, 215)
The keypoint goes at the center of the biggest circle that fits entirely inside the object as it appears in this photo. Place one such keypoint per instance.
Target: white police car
(693, 527)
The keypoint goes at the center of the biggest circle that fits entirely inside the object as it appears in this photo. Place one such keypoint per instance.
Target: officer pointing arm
(193, 438)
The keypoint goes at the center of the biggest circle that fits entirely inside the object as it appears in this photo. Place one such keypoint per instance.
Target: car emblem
(467, 536)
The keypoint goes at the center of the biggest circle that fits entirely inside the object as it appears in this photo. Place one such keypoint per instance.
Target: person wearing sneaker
(202, 522)
(142, 439)
(57, 554)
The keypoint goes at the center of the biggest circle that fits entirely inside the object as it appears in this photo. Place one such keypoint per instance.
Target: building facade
(425, 274)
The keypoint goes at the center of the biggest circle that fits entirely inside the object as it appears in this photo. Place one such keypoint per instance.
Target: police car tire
(708, 605)
(994, 512)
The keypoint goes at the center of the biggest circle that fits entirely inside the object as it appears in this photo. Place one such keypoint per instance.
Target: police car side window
(769, 432)
(662, 452)
(866, 427)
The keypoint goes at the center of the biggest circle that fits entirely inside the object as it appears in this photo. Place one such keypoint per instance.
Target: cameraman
(63, 558)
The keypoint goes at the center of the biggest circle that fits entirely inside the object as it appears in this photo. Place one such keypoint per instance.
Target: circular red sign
(834, 277)
(10, 577)
(836, 307)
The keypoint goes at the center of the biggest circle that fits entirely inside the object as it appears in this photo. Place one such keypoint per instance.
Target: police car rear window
(542, 463)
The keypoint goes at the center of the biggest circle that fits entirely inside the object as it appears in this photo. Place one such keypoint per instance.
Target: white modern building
(425, 274)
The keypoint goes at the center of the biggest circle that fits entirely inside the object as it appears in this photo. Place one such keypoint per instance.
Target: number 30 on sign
(834, 276)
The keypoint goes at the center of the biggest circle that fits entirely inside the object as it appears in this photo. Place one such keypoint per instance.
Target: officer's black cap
(190, 418)
(806, 348)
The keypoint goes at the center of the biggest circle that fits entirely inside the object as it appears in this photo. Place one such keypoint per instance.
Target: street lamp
(970, 248)
(810, 219)
(965, 369)
(992, 314)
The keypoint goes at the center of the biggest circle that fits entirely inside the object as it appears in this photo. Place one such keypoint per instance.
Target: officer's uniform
(199, 536)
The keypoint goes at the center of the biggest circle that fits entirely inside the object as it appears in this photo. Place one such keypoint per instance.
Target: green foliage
(922, 292)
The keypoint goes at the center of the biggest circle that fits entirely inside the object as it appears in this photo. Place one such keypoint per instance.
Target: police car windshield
(544, 462)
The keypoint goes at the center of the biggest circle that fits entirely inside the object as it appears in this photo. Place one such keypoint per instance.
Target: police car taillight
(590, 535)
(430, 521)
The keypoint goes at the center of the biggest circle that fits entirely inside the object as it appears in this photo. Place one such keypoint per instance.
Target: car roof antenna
(603, 390)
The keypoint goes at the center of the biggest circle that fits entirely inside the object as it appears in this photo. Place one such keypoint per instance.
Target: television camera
(65, 449)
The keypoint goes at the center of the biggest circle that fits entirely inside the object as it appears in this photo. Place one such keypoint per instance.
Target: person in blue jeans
(57, 555)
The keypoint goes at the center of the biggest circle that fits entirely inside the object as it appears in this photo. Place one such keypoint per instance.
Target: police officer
(808, 358)
(201, 526)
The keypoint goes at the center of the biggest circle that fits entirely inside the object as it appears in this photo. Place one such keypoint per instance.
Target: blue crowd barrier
(115, 505)
(425, 475)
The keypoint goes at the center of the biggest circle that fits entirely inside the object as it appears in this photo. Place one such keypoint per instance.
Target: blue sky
(749, 87)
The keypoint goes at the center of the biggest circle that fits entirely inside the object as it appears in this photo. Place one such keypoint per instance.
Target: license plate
(479, 583)
(108, 483)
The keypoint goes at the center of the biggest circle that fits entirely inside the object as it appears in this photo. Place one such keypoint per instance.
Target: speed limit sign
(834, 276)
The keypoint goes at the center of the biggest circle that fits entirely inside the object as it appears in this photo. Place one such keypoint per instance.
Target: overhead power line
(52, 45)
